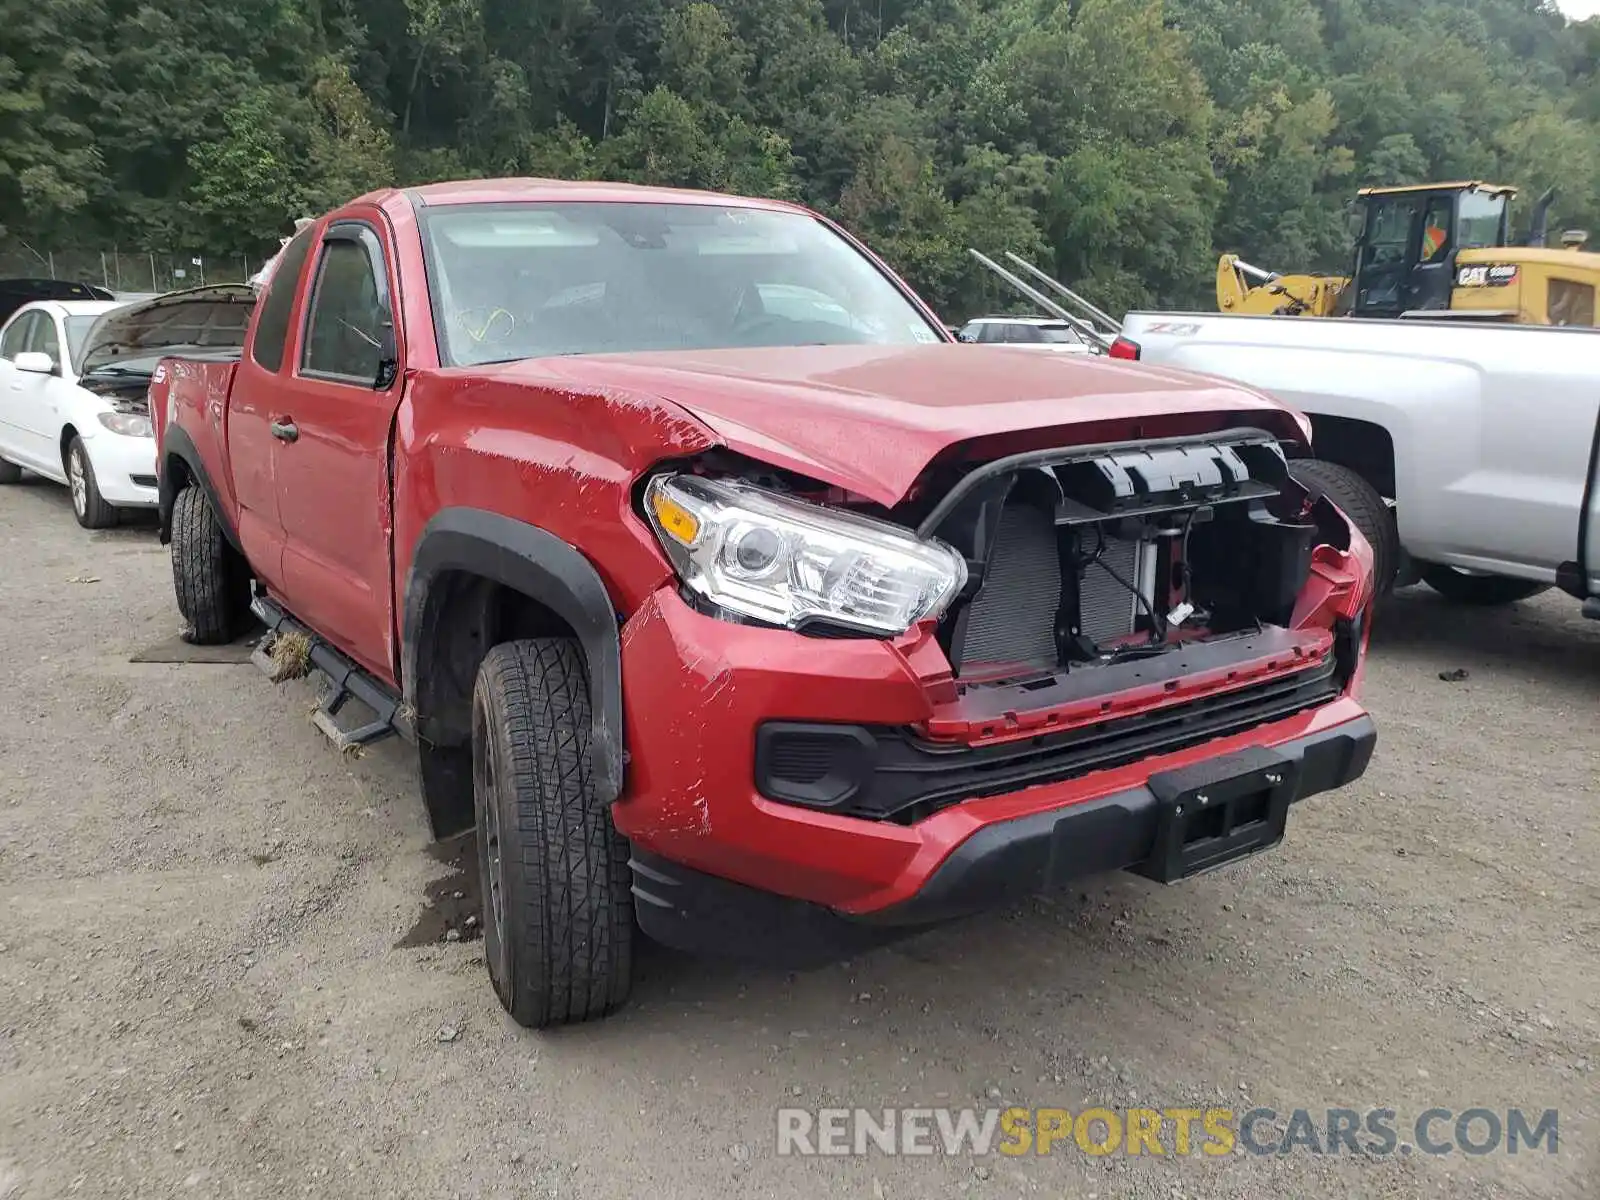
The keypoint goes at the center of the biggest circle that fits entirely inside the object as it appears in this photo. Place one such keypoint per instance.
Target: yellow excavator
(1434, 250)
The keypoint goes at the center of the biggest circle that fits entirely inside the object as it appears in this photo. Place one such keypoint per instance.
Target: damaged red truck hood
(871, 418)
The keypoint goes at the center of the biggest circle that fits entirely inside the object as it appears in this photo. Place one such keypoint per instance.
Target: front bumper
(696, 692)
(1002, 861)
(124, 468)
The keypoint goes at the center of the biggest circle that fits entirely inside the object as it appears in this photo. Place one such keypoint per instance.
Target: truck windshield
(510, 281)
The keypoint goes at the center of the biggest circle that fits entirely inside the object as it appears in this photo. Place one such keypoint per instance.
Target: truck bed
(1484, 437)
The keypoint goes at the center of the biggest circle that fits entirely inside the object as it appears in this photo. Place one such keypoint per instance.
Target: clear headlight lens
(787, 562)
(127, 424)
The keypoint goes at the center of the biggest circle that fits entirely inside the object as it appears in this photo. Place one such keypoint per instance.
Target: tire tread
(205, 570)
(571, 938)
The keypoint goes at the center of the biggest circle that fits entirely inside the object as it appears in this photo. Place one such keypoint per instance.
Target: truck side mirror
(388, 358)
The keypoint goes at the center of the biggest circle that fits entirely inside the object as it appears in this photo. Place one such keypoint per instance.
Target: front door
(262, 373)
(1433, 278)
(1386, 255)
(331, 458)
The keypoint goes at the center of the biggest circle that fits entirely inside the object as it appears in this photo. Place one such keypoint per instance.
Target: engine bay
(1091, 557)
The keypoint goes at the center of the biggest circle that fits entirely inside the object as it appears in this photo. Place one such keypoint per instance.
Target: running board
(346, 681)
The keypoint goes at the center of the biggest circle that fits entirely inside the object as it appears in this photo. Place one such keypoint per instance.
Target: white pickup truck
(1468, 453)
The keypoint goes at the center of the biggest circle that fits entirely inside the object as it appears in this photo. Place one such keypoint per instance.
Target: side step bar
(346, 681)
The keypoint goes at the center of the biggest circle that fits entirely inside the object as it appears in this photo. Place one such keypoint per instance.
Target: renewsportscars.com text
(1180, 1132)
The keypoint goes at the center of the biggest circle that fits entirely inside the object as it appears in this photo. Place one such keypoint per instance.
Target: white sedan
(1041, 333)
(74, 379)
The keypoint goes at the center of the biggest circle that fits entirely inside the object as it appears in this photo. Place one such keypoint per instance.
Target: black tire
(1482, 590)
(1359, 501)
(10, 472)
(558, 910)
(208, 574)
(88, 505)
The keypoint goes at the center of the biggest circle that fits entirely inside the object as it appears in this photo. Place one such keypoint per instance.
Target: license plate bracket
(1219, 811)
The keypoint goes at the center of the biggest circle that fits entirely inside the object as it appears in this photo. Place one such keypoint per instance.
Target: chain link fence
(121, 270)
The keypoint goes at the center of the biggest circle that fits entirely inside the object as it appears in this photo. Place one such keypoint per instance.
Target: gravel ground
(223, 965)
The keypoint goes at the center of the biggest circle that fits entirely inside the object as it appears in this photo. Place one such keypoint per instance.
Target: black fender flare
(544, 568)
(178, 444)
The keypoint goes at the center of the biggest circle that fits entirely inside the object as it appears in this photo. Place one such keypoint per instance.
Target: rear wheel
(10, 472)
(88, 505)
(1359, 501)
(558, 910)
(208, 575)
(1467, 587)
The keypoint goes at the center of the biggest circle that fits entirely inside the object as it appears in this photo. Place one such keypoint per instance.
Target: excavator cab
(1405, 258)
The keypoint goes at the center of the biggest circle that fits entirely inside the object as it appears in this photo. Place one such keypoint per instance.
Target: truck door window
(272, 327)
(16, 336)
(1571, 303)
(344, 336)
(1435, 231)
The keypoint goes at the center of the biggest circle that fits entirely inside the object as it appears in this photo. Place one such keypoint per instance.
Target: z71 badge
(1498, 276)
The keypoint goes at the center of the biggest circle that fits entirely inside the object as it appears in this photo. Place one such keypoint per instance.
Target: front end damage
(1125, 613)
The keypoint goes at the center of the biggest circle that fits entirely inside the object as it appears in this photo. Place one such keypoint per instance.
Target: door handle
(285, 430)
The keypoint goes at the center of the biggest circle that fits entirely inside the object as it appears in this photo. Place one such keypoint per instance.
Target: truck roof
(524, 190)
(1456, 185)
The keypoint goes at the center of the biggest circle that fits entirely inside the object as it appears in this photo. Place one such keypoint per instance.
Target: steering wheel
(485, 325)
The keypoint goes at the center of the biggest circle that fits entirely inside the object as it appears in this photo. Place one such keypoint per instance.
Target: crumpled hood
(871, 418)
(213, 317)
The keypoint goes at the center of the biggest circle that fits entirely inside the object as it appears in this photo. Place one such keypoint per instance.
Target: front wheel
(1486, 591)
(209, 576)
(88, 505)
(558, 910)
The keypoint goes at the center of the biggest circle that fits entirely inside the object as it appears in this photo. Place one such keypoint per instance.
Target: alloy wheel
(78, 482)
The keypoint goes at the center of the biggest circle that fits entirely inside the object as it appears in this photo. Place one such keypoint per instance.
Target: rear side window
(16, 337)
(272, 323)
(344, 337)
(1571, 303)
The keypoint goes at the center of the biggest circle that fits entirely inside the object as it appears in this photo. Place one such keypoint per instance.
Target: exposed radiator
(1012, 620)
(1109, 610)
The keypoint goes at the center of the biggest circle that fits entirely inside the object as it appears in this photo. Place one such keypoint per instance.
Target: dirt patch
(453, 905)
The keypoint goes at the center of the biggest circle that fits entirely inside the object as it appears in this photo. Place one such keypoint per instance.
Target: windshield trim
(425, 214)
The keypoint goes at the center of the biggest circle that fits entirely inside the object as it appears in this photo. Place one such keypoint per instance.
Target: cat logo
(1488, 276)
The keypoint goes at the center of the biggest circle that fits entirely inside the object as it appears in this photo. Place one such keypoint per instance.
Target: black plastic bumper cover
(1001, 862)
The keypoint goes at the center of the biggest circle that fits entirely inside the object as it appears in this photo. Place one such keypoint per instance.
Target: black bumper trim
(1005, 861)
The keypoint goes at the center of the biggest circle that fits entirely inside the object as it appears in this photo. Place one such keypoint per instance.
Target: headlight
(786, 562)
(127, 424)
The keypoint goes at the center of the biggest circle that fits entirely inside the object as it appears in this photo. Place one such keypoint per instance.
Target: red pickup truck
(731, 599)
